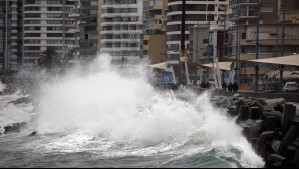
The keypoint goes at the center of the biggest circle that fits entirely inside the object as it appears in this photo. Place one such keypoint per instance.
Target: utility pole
(257, 47)
(282, 46)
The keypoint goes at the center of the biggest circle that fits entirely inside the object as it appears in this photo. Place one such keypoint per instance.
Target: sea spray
(2, 86)
(116, 109)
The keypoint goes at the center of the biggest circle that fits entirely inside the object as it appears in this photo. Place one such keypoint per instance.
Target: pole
(183, 46)
(6, 38)
(257, 47)
(224, 36)
(276, 47)
(282, 46)
(209, 50)
(237, 69)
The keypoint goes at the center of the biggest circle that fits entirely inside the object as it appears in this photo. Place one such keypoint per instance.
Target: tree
(51, 60)
(48, 59)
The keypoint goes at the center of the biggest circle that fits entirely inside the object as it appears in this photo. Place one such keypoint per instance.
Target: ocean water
(111, 117)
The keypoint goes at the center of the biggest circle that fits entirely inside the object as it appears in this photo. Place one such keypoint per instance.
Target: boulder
(237, 95)
(275, 102)
(22, 100)
(15, 128)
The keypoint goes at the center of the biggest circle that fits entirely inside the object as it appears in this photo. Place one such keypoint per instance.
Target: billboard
(167, 77)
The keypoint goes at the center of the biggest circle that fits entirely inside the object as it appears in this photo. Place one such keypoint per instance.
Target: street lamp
(257, 46)
(282, 45)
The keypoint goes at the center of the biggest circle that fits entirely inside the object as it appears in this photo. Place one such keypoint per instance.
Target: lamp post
(257, 46)
(237, 68)
(282, 45)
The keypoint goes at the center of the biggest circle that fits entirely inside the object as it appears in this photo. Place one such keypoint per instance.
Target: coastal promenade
(289, 97)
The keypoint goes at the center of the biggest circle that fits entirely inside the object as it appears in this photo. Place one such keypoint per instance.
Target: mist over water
(115, 114)
(2, 86)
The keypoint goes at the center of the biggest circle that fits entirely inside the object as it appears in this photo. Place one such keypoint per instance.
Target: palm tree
(48, 59)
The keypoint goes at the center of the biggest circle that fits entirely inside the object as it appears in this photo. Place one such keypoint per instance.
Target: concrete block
(288, 116)
(244, 113)
(287, 140)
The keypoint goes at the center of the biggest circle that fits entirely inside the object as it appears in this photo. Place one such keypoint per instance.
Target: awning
(162, 66)
(292, 60)
(222, 65)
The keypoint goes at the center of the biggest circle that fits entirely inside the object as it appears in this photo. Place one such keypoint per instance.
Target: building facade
(11, 35)
(88, 28)
(270, 17)
(154, 37)
(49, 24)
(121, 29)
(198, 12)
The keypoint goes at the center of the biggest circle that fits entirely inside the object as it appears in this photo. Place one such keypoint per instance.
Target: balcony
(234, 3)
(74, 30)
(74, 15)
(146, 47)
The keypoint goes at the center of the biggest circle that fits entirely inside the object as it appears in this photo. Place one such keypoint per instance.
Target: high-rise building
(269, 15)
(11, 35)
(198, 12)
(49, 24)
(154, 38)
(88, 28)
(121, 32)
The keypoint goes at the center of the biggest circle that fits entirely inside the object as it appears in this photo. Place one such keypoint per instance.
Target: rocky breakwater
(15, 113)
(271, 125)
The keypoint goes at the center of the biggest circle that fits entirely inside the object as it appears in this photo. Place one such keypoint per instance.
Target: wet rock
(274, 102)
(287, 140)
(255, 113)
(261, 144)
(255, 128)
(275, 145)
(15, 128)
(288, 116)
(237, 95)
(33, 134)
(21, 100)
(296, 159)
(277, 115)
(244, 114)
(291, 151)
(277, 161)
(279, 108)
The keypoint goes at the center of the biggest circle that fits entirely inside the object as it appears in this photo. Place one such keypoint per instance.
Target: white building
(121, 23)
(49, 24)
(11, 35)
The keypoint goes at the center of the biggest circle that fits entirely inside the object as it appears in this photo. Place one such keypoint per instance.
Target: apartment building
(121, 33)
(49, 24)
(88, 28)
(11, 35)
(270, 16)
(154, 37)
(199, 12)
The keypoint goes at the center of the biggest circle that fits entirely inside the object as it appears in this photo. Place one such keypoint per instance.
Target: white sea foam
(14, 113)
(2, 86)
(105, 103)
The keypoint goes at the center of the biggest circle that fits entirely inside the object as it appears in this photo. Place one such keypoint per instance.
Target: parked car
(290, 87)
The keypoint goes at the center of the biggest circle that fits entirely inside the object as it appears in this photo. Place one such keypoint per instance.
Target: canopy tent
(222, 65)
(162, 66)
(292, 60)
